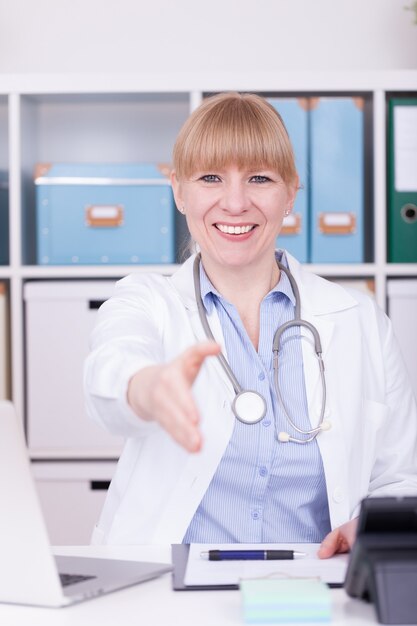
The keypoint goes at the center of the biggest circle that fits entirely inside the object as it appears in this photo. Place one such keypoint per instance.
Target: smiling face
(235, 176)
(234, 214)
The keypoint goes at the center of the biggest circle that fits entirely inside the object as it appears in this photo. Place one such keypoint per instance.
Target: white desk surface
(153, 603)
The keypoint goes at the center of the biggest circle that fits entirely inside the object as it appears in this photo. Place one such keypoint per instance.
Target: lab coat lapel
(312, 376)
(183, 283)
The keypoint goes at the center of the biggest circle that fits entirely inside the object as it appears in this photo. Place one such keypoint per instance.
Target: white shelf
(120, 117)
(90, 271)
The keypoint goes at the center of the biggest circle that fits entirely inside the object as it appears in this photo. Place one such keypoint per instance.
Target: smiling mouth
(235, 230)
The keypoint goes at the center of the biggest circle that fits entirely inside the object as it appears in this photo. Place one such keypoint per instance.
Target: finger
(182, 430)
(174, 390)
(177, 412)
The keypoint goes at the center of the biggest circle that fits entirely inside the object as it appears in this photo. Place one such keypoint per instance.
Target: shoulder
(322, 296)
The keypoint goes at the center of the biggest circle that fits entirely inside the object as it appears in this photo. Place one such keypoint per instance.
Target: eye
(210, 178)
(260, 179)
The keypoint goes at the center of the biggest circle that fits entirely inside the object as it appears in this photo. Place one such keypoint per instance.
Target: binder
(4, 344)
(337, 180)
(402, 180)
(4, 218)
(294, 233)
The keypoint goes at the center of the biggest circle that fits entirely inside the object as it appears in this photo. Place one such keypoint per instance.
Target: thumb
(329, 545)
(193, 358)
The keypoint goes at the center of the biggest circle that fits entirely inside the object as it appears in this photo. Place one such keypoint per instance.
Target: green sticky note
(266, 600)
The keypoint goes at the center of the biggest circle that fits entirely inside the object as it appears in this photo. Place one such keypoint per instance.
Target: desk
(153, 603)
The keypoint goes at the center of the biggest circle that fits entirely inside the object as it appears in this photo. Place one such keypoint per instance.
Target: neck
(244, 286)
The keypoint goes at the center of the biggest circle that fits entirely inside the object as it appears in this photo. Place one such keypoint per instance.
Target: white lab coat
(371, 448)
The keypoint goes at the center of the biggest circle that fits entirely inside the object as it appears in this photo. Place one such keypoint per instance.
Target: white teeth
(234, 230)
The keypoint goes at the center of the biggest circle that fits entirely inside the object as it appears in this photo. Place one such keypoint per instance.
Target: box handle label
(337, 223)
(104, 216)
(291, 224)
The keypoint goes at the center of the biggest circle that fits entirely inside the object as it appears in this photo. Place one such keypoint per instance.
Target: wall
(195, 36)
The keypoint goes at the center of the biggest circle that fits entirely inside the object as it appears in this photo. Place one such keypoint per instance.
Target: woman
(170, 356)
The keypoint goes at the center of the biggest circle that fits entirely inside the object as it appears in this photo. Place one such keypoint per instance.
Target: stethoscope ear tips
(283, 437)
(326, 425)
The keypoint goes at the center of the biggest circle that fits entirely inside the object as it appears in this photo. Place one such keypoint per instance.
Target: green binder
(402, 180)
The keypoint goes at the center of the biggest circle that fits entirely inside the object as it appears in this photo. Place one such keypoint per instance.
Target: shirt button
(263, 471)
(266, 423)
(261, 376)
(338, 495)
(255, 515)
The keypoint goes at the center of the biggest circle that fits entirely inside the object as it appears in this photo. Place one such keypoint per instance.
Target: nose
(235, 197)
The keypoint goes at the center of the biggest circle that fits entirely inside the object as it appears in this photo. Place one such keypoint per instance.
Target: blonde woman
(260, 402)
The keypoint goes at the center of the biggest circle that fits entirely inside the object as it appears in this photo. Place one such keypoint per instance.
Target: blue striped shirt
(264, 490)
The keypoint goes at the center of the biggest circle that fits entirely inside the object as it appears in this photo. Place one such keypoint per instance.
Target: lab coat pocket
(374, 417)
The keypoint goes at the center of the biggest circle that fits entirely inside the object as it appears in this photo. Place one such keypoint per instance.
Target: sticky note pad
(268, 601)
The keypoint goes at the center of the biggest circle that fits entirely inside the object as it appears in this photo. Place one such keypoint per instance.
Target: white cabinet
(72, 496)
(402, 309)
(60, 316)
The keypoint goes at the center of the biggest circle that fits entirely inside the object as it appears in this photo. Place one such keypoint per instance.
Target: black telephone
(383, 561)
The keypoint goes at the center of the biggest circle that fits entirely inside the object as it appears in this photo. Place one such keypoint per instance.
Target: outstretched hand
(340, 540)
(163, 393)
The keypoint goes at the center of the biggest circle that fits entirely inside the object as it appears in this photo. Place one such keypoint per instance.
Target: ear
(177, 191)
(292, 194)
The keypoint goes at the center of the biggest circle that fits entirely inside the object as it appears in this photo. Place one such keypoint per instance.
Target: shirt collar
(208, 291)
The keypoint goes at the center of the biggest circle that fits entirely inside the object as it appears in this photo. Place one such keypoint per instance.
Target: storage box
(67, 487)
(402, 309)
(4, 218)
(102, 213)
(60, 316)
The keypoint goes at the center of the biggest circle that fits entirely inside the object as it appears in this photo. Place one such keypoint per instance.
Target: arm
(131, 382)
(394, 469)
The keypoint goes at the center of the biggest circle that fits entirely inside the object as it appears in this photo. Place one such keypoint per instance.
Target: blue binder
(4, 218)
(294, 234)
(337, 180)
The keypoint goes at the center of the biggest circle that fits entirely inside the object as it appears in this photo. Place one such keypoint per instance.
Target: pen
(251, 555)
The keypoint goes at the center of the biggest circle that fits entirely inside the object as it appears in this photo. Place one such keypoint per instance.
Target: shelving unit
(116, 118)
(122, 118)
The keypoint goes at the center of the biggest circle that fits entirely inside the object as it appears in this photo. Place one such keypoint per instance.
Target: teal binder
(402, 180)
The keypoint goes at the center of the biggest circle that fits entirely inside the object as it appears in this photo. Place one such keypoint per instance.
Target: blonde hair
(234, 129)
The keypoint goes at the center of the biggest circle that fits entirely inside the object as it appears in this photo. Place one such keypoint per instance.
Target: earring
(182, 209)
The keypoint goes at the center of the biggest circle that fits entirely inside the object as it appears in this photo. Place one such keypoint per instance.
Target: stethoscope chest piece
(249, 407)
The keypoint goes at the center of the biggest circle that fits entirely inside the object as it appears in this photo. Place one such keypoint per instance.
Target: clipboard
(180, 552)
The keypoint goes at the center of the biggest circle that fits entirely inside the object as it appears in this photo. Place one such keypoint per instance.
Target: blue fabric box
(4, 218)
(104, 213)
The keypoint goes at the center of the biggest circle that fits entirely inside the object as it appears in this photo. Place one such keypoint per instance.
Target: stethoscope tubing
(311, 434)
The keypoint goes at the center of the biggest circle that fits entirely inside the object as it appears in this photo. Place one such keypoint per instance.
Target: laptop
(29, 573)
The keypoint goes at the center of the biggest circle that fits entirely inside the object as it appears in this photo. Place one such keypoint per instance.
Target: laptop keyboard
(71, 579)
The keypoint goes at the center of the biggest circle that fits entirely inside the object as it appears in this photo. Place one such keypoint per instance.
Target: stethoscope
(248, 406)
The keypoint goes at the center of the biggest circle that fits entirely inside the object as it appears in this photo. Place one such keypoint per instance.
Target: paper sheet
(405, 148)
(200, 571)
